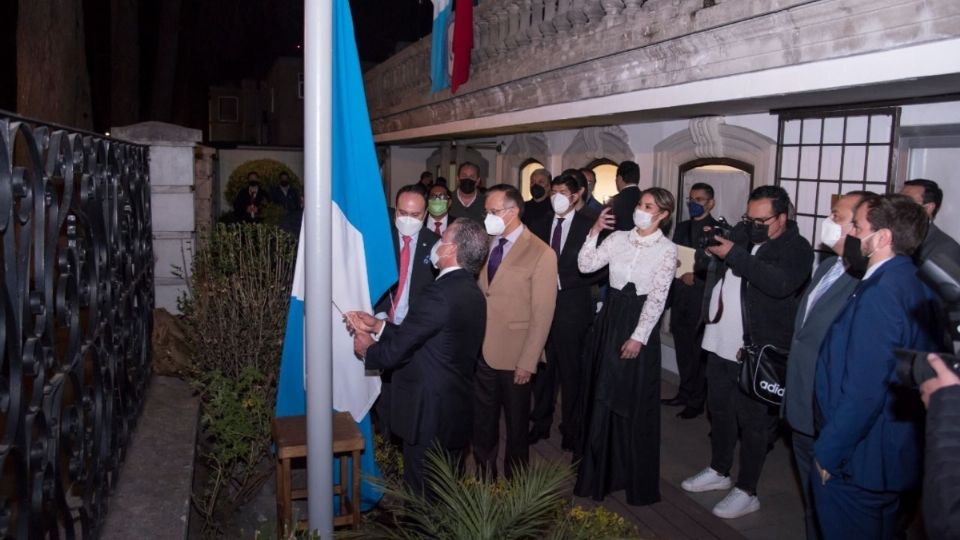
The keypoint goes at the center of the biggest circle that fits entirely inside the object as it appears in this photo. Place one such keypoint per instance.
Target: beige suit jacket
(520, 304)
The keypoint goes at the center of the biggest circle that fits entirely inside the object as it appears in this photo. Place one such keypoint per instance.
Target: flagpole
(317, 162)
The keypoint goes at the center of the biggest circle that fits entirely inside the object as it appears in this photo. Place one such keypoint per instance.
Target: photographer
(764, 265)
(867, 451)
(941, 481)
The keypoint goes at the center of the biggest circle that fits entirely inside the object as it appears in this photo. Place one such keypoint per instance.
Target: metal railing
(76, 291)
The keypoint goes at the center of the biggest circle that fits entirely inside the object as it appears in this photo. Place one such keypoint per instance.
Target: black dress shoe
(675, 401)
(689, 412)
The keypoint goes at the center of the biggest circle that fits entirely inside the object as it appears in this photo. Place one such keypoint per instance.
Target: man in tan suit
(520, 283)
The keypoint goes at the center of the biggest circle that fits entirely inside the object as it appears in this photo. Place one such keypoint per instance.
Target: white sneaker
(737, 503)
(706, 480)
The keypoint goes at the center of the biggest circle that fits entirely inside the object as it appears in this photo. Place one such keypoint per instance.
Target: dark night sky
(219, 43)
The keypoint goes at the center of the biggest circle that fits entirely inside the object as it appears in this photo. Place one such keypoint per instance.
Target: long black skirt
(620, 443)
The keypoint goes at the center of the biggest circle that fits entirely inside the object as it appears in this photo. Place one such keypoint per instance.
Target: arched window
(526, 169)
(606, 172)
(731, 180)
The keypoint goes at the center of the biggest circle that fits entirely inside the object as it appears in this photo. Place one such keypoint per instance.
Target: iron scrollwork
(76, 316)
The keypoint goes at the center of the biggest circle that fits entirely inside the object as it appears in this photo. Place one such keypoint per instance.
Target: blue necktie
(496, 257)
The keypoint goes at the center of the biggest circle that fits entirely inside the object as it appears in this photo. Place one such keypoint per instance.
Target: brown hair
(665, 202)
(906, 220)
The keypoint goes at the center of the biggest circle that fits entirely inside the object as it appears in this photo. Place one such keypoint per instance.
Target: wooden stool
(290, 436)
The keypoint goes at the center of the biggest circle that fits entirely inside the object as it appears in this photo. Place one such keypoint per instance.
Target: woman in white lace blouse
(621, 400)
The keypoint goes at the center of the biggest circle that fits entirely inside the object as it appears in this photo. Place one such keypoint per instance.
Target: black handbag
(763, 368)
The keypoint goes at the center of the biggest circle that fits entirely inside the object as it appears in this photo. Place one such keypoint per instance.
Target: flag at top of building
(363, 265)
(439, 71)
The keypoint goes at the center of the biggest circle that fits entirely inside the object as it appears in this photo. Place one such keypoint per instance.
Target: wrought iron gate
(76, 316)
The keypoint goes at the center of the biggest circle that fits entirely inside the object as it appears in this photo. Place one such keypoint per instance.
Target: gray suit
(808, 335)
(938, 241)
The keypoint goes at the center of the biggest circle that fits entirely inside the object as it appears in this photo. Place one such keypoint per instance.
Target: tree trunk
(52, 79)
(165, 64)
(125, 62)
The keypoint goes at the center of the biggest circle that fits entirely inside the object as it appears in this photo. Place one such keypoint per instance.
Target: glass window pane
(880, 128)
(856, 129)
(806, 197)
(788, 162)
(806, 225)
(825, 198)
(791, 188)
(830, 162)
(833, 130)
(811, 130)
(791, 132)
(853, 162)
(877, 163)
(809, 162)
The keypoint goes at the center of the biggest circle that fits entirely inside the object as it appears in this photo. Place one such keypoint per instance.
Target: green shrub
(234, 315)
(582, 524)
(269, 172)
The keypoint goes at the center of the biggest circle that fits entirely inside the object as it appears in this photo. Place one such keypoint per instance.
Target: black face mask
(284, 183)
(759, 233)
(467, 185)
(854, 259)
(537, 191)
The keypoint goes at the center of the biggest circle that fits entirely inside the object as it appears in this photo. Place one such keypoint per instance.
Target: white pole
(317, 158)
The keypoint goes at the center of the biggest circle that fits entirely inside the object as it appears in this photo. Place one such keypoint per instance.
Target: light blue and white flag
(440, 49)
(364, 265)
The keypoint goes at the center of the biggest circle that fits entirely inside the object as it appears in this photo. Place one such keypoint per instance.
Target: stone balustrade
(530, 53)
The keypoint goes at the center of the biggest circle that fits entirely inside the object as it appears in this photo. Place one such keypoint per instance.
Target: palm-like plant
(461, 507)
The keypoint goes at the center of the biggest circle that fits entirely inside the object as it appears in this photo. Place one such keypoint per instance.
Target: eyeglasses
(439, 198)
(757, 221)
(497, 211)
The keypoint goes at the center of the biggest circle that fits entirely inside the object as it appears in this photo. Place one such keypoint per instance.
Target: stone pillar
(204, 200)
(172, 180)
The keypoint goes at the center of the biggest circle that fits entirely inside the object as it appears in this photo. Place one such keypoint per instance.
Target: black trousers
(731, 411)
(691, 360)
(563, 367)
(494, 391)
(413, 457)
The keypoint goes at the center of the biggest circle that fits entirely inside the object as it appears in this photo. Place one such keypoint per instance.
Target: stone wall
(535, 53)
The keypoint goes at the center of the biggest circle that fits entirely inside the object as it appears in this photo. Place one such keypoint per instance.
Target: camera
(720, 230)
(941, 274)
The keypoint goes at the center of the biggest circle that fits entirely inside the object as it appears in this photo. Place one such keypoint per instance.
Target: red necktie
(436, 228)
(404, 263)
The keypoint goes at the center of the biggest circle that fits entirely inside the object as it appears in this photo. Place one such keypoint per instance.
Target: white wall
(406, 164)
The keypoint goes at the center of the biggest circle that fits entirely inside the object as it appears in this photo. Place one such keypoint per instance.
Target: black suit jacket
(433, 355)
(623, 206)
(686, 301)
(423, 270)
(570, 275)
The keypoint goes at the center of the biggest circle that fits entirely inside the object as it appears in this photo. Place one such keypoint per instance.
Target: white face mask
(407, 225)
(560, 203)
(642, 219)
(435, 253)
(494, 224)
(830, 232)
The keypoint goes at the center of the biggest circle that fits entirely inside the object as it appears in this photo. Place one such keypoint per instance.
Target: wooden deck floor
(685, 449)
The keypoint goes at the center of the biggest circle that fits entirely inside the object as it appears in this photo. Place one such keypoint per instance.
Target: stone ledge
(152, 497)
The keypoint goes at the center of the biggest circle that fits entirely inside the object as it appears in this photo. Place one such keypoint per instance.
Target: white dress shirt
(725, 337)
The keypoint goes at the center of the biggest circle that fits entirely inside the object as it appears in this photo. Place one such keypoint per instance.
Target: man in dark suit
(538, 206)
(248, 203)
(564, 230)
(434, 353)
(287, 197)
(627, 198)
(825, 297)
(687, 303)
(867, 450)
(928, 194)
(412, 244)
(467, 200)
(588, 202)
